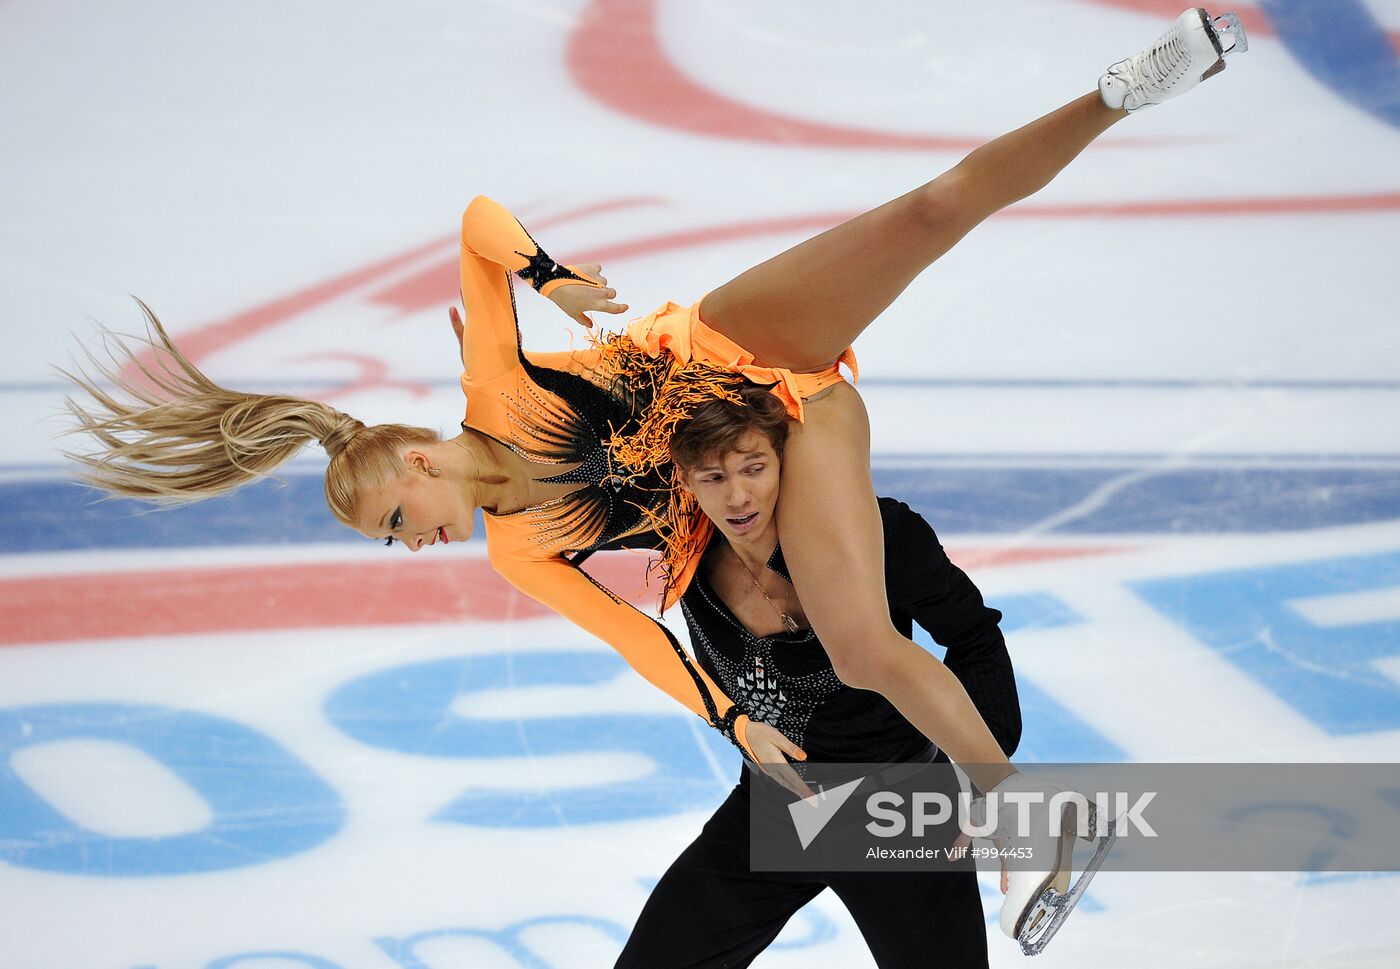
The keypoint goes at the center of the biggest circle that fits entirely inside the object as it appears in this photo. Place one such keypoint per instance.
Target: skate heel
(1091, 825)
(1050, 910)
(1227, 34)
(1037, 902)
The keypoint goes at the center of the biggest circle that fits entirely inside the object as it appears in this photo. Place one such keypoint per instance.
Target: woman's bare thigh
(829, 522)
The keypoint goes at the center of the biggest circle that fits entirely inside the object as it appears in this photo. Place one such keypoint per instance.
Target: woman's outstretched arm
(496, 246)
(646, 645)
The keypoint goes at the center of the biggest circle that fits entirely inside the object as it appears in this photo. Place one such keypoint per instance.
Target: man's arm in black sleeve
(924, 584)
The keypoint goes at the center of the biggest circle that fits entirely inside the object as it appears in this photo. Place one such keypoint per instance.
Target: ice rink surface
(1154, 411)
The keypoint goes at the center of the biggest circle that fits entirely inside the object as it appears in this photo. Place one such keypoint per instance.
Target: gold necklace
(789, 623)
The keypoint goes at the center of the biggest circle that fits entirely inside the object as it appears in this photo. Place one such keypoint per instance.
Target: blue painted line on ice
(1185, 501)
(931, 460)
(57, 515)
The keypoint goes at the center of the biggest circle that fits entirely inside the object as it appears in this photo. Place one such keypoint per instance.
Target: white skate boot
(1193, 49)
(1038, 902)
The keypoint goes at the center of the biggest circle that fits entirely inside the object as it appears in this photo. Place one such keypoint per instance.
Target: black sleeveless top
(786, 680)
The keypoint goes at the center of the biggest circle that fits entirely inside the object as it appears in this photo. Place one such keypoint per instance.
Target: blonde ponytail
(169, 434)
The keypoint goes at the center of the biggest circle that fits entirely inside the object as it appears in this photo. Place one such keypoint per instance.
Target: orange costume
(601, 418)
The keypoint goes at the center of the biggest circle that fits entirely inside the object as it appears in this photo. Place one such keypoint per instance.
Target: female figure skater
(567, 452)
(749, 633)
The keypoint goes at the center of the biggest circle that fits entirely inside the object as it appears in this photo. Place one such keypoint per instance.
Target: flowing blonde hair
(166, 433)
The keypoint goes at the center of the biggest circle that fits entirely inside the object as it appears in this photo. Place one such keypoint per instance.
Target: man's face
(738, 489)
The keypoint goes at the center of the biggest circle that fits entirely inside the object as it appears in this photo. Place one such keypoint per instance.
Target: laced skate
(1038, 902)
(1193, 49)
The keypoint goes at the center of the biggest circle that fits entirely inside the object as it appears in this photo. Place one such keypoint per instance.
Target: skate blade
(1052, 908)
(1228, 34)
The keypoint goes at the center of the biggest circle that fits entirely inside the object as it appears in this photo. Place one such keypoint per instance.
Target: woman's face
(738, 490)
(417, 509)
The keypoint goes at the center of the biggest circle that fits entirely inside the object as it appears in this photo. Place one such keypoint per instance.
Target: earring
(434, 471)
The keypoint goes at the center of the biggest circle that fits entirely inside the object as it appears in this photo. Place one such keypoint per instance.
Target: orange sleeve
(494, 245)
(491, 338)
(646, 645)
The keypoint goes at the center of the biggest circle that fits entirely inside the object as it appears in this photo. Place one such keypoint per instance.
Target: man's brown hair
(716, 428)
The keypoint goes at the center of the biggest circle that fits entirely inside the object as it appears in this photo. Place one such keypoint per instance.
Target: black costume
(709, 909)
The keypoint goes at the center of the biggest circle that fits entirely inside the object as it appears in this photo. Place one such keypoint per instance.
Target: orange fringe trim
(675, 390)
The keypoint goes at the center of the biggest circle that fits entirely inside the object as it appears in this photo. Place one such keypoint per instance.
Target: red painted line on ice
(438, 284)
(371, 374)
(1278, 205)
(985, 558)
(598, 208)
(221, 334)
(233, 599)
(248, 599)
(711, 235)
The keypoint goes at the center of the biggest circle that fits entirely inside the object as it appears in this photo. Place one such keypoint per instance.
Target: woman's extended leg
(802, 308)
(833, 543)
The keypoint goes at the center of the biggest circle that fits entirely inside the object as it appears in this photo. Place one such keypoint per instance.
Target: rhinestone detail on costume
(560, 418)
(753, 682)
(541, 269)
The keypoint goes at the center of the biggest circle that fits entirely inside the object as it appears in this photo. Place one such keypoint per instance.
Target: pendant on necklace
(789, 623)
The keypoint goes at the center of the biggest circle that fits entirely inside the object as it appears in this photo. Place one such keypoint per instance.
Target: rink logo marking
(614, 34)
(1340, 44)
(1262, 620)
(616, 56)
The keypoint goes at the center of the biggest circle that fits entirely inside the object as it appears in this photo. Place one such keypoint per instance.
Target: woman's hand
(457, 327)
(963, 842)
(578, 300)
(769, 747)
